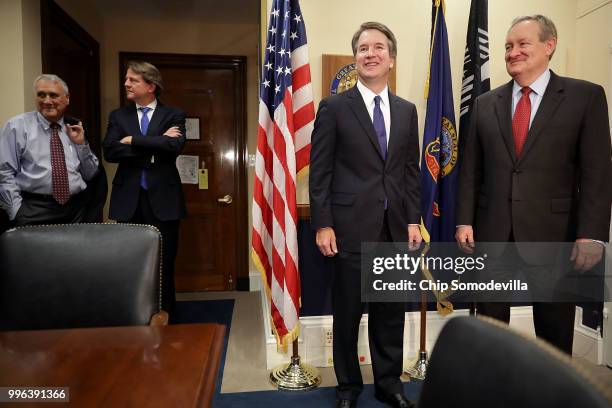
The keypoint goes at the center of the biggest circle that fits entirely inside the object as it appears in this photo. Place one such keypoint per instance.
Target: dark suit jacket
(154, 152)
(349, 179)
(559, 189)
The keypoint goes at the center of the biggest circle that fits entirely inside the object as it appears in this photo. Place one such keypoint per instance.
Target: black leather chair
(80, 275)
(482, 363)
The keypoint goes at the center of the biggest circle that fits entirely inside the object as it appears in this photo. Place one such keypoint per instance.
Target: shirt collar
(45, 123)
(368, 96)
(538, 86)
(152, 105)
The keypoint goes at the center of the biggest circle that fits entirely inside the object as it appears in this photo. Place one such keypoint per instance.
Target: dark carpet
(320, 397)
(220, 311)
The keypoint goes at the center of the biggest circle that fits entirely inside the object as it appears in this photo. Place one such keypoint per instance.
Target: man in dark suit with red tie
(145, 138)
(536, 167)
(364, 187)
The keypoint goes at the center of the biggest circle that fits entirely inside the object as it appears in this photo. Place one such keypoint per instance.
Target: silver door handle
(227, 199)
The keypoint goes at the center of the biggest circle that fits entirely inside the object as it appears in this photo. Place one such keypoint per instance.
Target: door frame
(238, 64)
(51, 14)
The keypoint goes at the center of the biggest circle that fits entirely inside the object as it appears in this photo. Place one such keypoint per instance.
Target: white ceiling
(207, 11)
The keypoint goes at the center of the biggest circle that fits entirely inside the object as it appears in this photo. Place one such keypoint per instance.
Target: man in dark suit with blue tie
(145, 138)
(364, 187)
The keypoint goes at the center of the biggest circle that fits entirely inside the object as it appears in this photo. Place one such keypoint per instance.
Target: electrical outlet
(329, 337)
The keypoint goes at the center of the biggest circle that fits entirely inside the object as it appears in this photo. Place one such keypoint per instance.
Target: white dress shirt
(538, 87)
(368, 98)
(152, 107)
(25, 160)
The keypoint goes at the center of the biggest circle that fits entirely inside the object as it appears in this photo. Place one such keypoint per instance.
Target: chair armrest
(159, 319)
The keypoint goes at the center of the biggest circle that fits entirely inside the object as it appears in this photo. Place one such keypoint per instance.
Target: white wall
(594, 40)
(20, 49)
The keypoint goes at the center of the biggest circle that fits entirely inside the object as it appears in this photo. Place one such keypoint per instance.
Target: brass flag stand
(419, 369)
(295, 376)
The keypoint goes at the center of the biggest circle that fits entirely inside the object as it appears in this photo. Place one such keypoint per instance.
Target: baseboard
(254, 281)
(315, 341)
(588, 343)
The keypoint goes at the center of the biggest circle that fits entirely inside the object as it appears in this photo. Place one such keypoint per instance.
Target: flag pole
(419, 368)
(295, 376)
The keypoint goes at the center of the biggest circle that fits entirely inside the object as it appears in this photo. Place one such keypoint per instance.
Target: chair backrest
(482, 363)
(79, 275)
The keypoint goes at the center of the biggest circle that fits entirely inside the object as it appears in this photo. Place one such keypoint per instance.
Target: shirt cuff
(83, 150)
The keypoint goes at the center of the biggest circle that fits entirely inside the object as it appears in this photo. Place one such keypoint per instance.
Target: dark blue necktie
(379, 126)
(381, 132)
(144, 125)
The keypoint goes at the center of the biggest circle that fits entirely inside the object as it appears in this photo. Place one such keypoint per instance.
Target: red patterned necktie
(520, 121)
(59, 174)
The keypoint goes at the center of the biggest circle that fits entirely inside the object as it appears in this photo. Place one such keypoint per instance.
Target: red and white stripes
(283, 151)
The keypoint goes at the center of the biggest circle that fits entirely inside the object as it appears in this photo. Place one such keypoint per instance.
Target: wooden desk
(138, 366)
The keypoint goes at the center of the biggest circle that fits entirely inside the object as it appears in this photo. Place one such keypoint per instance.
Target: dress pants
(553, 321)
(385, 330)
(170, 233)
(40, 209)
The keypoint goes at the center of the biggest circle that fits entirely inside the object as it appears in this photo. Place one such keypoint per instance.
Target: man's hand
(326, 241)
(127, 140)
(586, 254)
(76, 133)
(414, 237)
(173, 132)
(465, 238)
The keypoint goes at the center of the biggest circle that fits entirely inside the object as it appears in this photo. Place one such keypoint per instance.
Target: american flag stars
(285, 34)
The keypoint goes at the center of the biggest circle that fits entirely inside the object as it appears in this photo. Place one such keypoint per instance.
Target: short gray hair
(548, 31)
(51, 78)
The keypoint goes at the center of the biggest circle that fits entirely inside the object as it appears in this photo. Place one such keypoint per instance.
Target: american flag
(286, 118)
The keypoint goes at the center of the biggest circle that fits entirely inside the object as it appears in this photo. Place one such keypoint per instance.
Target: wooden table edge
(207, 389)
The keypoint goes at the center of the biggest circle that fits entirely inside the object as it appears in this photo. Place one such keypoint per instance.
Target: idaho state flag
(440, 141)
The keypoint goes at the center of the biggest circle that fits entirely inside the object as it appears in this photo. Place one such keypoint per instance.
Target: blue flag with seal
(440, 141)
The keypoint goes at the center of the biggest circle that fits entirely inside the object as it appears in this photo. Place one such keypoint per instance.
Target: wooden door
(213, 238)
(71, 53)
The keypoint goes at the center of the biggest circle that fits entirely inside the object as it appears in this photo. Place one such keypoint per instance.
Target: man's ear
(551, 45)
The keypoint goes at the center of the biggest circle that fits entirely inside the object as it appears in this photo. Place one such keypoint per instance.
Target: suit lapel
(133, 127)
(549, 104)
(503, 111)
(359, 109)
(158, 114)
(394, 108)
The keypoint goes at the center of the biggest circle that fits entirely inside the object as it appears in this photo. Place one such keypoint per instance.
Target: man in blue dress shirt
(45, 162)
